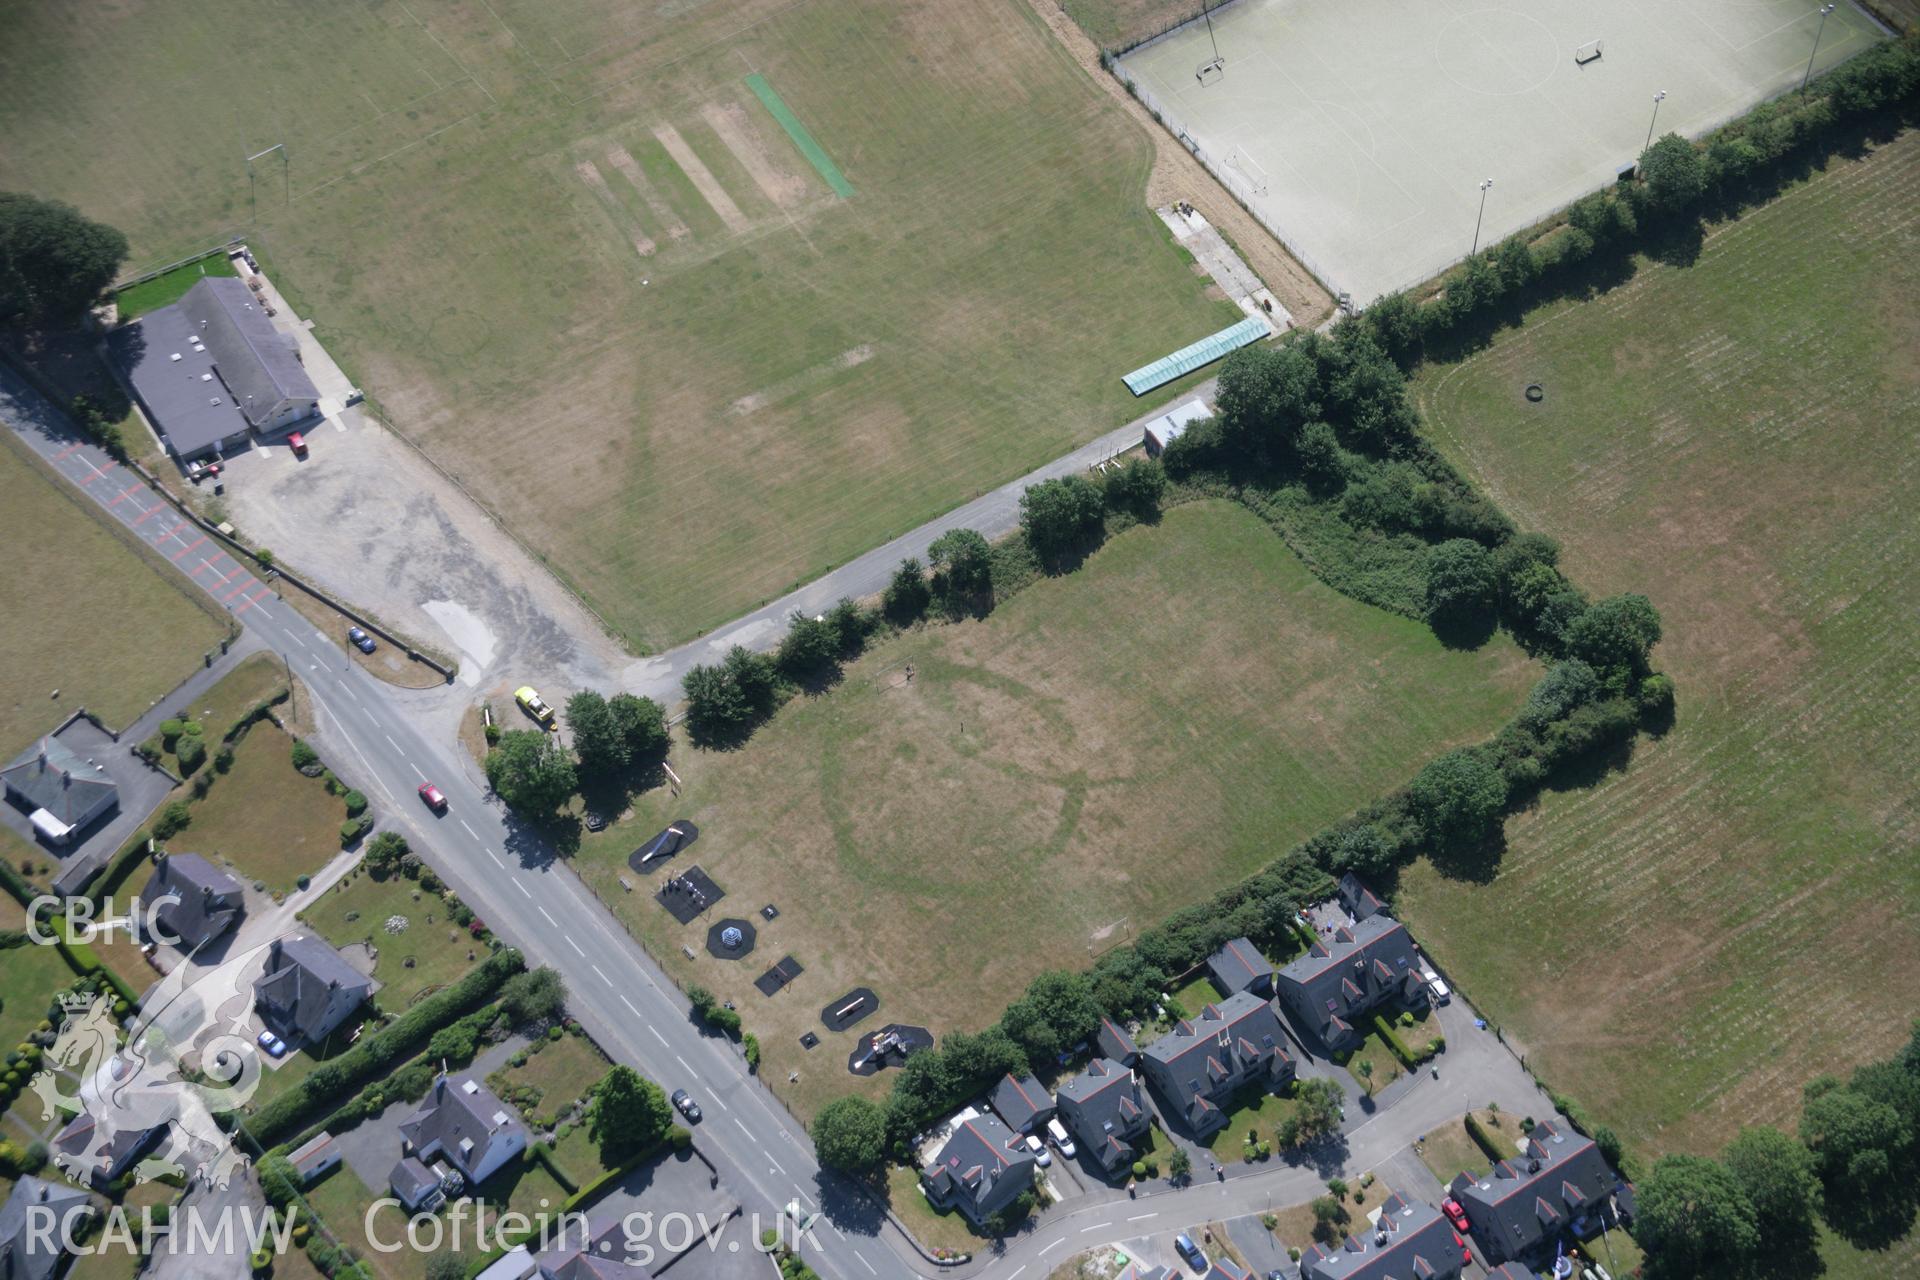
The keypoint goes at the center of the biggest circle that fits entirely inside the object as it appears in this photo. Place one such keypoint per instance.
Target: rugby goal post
(1588, 52)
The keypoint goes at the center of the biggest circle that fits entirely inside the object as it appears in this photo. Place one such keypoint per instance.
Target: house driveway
(1258, 1245)
(372, 1147)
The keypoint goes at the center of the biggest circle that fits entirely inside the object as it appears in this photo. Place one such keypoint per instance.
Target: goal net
(1588, 52)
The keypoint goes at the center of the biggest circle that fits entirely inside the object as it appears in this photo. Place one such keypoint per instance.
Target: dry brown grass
(1106, 747)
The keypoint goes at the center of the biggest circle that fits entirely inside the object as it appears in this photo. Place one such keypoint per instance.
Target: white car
(1058, 1132)
(1041, 1156)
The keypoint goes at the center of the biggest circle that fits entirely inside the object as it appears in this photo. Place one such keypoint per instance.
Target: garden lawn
(1263, 1113)
(165, 290)
(115, 647)
(566, 250)
(341, 1200)
(266, 819)
(33, 975)
(1105, 748)
(1295, 1227)
(1450, 1149)
(356, 911)
(930, 1226)
(120, 1261)
(1681, 946)
(259, 677)
(563, 1070)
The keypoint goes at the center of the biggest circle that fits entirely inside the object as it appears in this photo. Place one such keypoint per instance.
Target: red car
(435, 798)
(1466, 1254)
(1455, 1214)
(297, 443)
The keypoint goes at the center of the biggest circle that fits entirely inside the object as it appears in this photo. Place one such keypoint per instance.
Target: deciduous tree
(54, 263)
(850, 1134)
(530, 771)
(631, 1114)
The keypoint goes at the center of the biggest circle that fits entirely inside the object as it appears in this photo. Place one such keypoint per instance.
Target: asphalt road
(508, 874)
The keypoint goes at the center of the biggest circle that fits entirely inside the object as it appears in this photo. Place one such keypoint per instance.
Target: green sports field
(568, 248)
(1684, 945)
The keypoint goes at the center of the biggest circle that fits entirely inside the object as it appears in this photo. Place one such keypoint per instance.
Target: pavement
(383, 738)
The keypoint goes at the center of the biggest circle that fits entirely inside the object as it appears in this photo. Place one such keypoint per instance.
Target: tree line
(1756, 1209)
(1675, 184)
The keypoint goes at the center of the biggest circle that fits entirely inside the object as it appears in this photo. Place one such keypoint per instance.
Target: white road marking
(743, 1128)
(1138, 1217)
(550, 919)
(1055, 1245)
(523, 893)
(662, 1039)
(603, 977)
(576, 948)
(350, 692)
(683, 1063)
(782, 1173)
(630, 1009)
(1016, 1274)
(496, 859)
(866, 1264)
(1095, 1227)
(296, 639)
(390, 741)
(416, 771)
(470, 830)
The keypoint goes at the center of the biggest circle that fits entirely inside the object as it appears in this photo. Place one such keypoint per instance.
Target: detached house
(1023, 1103)
(1344, 977)
(37, 1216)
(1525, 1202)
(1103, 1109)
(463, 1124)
(308, 990)
(983, 1168)
(1409, 1241)
(1203, 1062)
(191, 901)
(1239, 966)
(58, 791)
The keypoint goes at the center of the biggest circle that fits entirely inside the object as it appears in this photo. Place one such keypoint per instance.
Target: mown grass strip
(815, 153)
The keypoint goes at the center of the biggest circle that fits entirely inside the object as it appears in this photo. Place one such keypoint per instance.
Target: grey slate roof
(209, 900)
(1410, 1241)
(461, 1118)
(1348, 975)
(1115, 1043)
(1103, 1107)
(1022, 1103)
(1204, 1059)
(80, 1141)
(235, 369)
(1239, 966)
(1528, 1200)
(259, 364)
(412, 1181)
(1225, 1268)
(23, 1254)
(982, 1168)
(1358, 900)
(309, 987)
(49, 775)
(583, 1265)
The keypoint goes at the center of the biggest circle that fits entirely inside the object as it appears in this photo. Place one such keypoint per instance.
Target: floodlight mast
(1206, 13)
(1484, 188)
(1825, 9)
(1658, 98)
(285, 172)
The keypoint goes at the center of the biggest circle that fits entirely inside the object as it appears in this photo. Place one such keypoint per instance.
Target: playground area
(1360, 133)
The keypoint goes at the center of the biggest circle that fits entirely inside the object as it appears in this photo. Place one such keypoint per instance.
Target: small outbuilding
(1170, 426)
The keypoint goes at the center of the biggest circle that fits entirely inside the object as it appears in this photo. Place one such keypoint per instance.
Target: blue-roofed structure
(1194, 356)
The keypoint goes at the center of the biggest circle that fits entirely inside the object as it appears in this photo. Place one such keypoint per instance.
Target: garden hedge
(375, 1055)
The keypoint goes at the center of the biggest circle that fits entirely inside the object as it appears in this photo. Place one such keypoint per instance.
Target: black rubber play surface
(655, 853)
(779, 976)
(718, 936)
(849, 1009)
(689, 893)
(890, 1046)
